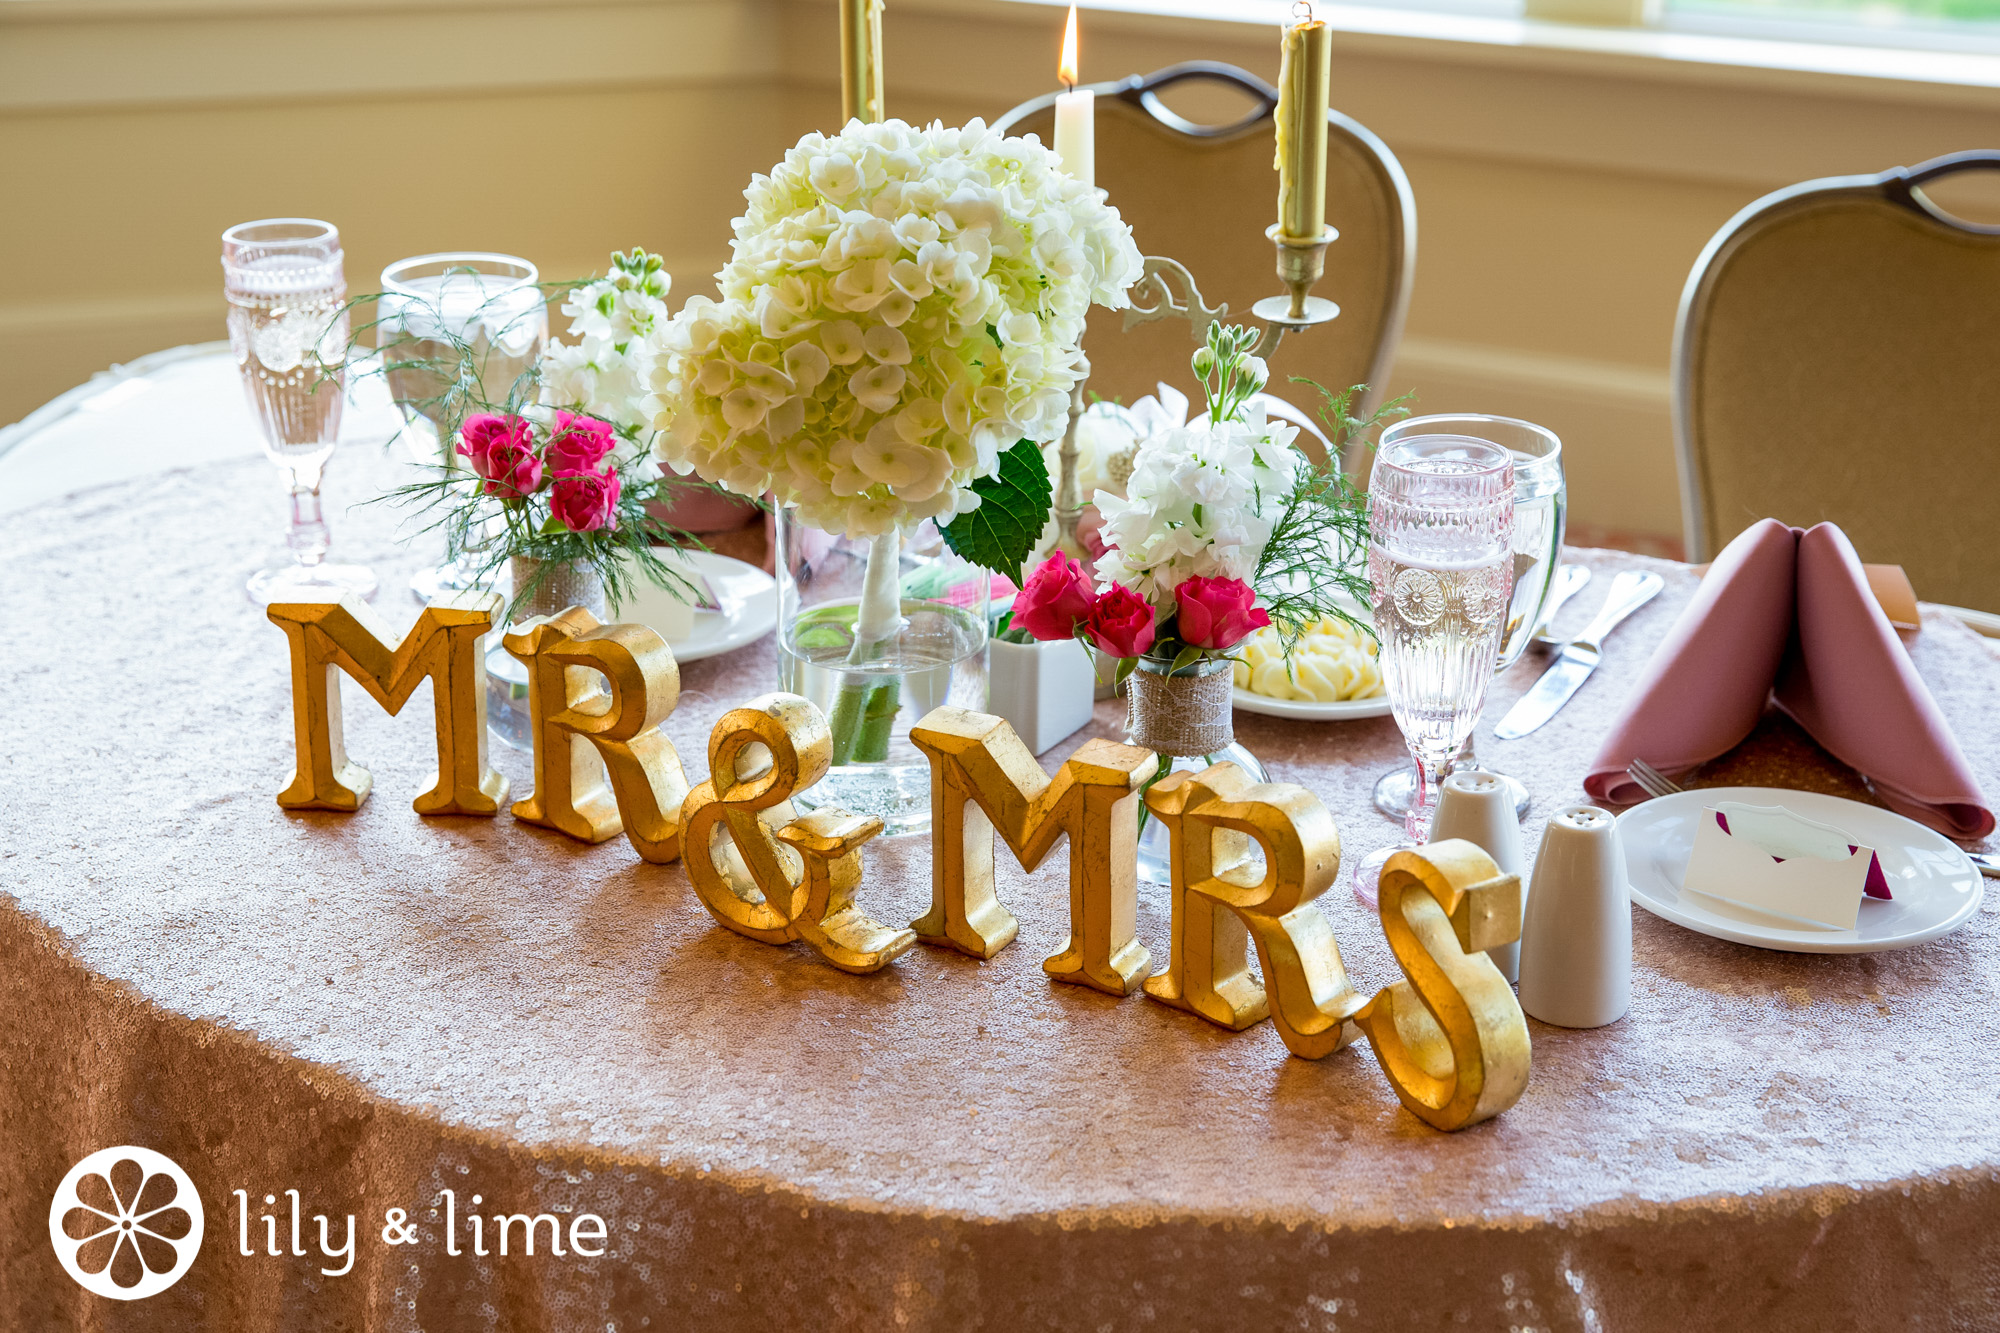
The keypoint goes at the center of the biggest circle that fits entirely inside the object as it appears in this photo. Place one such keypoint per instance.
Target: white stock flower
(1200, 501)
(900, 306)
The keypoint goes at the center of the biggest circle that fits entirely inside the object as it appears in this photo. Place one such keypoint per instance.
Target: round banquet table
(375, 1008)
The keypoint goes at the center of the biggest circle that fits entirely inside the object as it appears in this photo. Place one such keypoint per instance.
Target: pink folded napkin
(1789, 613)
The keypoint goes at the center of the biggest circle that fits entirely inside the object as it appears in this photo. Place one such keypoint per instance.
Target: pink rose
(1121, 623)
(1216, 613)
(1054, 600)
(502, 450)
(585, 501)
(578, 444)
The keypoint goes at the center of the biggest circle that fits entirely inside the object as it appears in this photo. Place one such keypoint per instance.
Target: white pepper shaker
(1479, 807)
(1576, 936)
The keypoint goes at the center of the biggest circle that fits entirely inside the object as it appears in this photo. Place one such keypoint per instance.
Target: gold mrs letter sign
(760, 869)
(348, 636)
(580, 734)
(982, 779)
(1218, 903)
(1461, 1056)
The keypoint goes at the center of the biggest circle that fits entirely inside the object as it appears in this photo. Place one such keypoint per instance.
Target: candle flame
(1067, 70)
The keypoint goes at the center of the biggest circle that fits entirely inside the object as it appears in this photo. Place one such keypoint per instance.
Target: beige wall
(1562, 196)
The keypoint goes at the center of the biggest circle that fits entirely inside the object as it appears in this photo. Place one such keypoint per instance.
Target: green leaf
(1013, 510)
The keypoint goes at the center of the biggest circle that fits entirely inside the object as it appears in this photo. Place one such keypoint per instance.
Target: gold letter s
(1462, 1055)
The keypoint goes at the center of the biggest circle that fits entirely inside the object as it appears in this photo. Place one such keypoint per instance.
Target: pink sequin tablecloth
(372, 1009)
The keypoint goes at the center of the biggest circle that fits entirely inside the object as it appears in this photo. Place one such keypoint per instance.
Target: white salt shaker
(1478, 807)
(1576, 937)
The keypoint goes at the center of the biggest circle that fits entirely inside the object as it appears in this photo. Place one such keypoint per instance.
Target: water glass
(288, 329)
(1441, 573)
(873, 689)
(458, 333)
(1540, 512)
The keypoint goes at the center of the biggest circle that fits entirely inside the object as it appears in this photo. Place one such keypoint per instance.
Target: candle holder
(1166, 290)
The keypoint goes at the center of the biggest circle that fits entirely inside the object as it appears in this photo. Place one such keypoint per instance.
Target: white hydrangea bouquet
(898, 334)
(902, 307)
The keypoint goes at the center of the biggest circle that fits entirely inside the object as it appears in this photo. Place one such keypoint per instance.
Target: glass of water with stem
(1441, 577)
(458, 334)
(287, 291)
(1541, 507)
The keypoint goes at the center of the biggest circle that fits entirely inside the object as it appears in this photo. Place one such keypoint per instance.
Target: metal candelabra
(1166, 290)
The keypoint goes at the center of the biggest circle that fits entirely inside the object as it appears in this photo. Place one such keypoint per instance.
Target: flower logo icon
(126, 1223)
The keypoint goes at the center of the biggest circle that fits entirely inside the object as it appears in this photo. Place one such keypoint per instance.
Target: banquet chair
(1835, 359)
(1204, 194)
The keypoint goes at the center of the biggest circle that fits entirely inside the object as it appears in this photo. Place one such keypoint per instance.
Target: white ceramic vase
(1046, 690)
(1479, 807)
(1576, 940)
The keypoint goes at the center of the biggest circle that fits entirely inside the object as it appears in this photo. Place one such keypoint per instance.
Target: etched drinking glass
(288, 328)
(1541, 508)
(458, 333)
(1441, 574)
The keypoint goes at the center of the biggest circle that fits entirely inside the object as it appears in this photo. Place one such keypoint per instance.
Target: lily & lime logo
(126, 1223)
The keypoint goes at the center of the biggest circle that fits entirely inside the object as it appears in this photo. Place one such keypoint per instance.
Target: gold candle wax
(861, 61)
(1302, 93)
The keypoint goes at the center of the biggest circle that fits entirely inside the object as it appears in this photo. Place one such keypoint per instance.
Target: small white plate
(749, 600)
(1343, 710)
(1934, 888)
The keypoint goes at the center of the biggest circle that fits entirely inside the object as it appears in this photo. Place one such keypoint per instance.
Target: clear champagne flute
(440, 315)
(287, 295)
(1541, 508)
(1441, 569)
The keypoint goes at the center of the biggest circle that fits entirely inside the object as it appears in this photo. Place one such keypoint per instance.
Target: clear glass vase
(877, 632)
(553, 586)
(1186, 718)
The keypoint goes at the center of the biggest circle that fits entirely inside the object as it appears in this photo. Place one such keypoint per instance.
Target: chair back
(1838, 358)
(1204, 195)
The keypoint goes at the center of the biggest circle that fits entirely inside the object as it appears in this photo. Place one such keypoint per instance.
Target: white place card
(1768, 858)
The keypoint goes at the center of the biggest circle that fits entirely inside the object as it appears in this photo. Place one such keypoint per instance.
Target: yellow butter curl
(1332, 661)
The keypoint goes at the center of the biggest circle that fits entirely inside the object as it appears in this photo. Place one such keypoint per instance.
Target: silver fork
(1655, 783)
(1651, 780)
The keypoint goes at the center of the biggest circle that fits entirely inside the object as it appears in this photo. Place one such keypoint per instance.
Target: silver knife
(1629, 591)
(1569, 582)
(1988, 864)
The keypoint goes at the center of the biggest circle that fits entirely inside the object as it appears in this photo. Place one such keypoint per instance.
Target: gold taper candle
(1302, 95)
(861, 61)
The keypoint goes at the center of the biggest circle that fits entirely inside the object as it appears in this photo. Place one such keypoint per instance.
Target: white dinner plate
(748, 597)
(1933, 887)
(1343, 710)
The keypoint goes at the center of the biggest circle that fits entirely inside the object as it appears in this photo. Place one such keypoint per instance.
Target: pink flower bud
(1216, 613)
(1121, 623)
(1055, 599)
(502, 450)
(585, 501)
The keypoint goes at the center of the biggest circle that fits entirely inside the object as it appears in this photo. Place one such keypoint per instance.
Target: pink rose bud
(585, 501)
(502, 450)
(578, 444)
(1121, 623)
(1217, 613)
(1056, 598)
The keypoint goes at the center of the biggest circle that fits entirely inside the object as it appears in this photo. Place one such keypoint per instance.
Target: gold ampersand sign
(757, 866)
(1451, 1038)
(602, 764)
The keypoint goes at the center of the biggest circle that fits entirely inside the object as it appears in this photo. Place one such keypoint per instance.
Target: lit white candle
(1076, 115)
